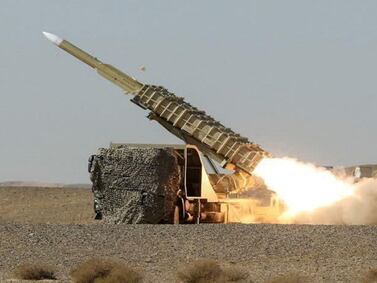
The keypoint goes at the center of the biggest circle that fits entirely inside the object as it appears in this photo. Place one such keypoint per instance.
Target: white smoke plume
(358, 208)
(314, 195)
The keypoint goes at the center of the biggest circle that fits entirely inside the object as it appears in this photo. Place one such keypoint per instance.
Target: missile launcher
(180, 118)
(196, 127)
(191, 190)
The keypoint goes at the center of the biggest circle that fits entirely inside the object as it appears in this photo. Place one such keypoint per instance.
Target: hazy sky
(297, 77)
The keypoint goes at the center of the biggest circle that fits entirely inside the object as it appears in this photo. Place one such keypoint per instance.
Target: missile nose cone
(53, 38)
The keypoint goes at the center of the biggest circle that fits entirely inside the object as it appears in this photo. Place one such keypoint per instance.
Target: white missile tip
(53, 38)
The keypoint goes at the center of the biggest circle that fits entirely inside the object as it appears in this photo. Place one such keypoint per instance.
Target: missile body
(180, 118)
(107, 71)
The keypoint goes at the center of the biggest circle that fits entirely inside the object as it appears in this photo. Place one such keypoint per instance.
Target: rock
(134, 184)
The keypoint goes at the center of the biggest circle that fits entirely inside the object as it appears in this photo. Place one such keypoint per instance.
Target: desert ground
(46, 205)
(56, 226)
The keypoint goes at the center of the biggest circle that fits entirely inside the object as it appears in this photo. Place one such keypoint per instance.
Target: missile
(176, 115)
(109, 72)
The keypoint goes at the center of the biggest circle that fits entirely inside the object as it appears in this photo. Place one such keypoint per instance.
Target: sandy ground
(322, 253)
(46, 205)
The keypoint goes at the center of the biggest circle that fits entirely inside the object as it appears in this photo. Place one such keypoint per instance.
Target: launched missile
(180, 118)
(109, 72)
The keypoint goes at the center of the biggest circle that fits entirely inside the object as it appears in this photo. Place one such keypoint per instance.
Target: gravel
(323, 253)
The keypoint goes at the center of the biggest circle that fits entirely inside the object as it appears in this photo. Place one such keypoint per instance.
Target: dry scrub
(204, 271)
(371, 276)
(104, 271)
(37, 271)
(290, 278)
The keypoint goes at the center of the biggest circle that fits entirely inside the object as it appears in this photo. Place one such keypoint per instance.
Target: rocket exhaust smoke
(315, 195)
(303, 187)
